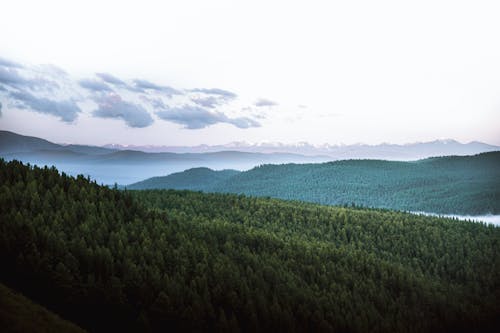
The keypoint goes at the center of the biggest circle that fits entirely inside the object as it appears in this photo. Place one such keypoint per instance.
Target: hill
(19, 314)
(16, 143)
(114, 260)
(449, 185)
(198, 179)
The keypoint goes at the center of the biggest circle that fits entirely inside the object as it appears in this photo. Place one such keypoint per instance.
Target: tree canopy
(467, 185)
(188, 261)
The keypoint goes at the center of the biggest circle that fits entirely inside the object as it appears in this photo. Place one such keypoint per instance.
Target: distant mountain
(111, 165)
(460, 185)
(89, 150)
(108, 166)
(386, 151)
(15, 143)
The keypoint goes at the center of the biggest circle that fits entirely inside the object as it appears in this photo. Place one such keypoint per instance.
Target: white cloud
(398, 71)
(50, 90)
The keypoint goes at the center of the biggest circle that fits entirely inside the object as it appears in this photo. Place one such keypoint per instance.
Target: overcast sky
(193, 72)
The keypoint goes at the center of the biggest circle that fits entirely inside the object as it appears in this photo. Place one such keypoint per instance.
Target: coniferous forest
(468, 185)
(165, 260)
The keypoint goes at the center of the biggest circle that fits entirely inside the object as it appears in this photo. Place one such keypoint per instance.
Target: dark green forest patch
(161, 260)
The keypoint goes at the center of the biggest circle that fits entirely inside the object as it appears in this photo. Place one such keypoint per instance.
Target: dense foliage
(158, 260)
(466, 185)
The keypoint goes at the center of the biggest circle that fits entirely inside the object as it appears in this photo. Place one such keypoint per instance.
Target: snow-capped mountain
(388, 151)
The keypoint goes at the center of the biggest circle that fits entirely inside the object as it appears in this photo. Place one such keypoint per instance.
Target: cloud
(243, 122)
(194, 117)
(110, 79)
(50, 90)
(156, 103)
(264, 102)
(0, 109)
(208, 102)
(141, 85)
(7, 63)
(66, 110)
(54, 70)
(11, 77)
(211, 98)
(94, 85)
(113, 106)
(216, 91)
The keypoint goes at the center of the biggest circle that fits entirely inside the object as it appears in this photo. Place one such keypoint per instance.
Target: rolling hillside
(182, 261)
(457, 184)
(198, 179)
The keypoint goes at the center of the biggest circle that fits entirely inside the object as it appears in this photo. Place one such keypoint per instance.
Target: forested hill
(161, 260)
(18, 314)
(468, 185)
(200, 179)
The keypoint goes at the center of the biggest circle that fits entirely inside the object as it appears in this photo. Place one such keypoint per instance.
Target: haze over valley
(125, 165)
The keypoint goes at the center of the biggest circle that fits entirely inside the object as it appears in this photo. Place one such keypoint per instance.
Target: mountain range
(128, 164)
(386, 151)
(109, 166)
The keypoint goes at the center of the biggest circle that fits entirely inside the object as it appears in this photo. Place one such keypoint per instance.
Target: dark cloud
(194, 117)
(0, 109)
(264, 102)
(216, 91)
(7, 63)
(141, 85)
(207, 102)
(110, 79)
(66, 110)
(113, 106)
(94, 85)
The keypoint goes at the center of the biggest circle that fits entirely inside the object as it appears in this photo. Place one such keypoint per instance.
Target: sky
(213, 72)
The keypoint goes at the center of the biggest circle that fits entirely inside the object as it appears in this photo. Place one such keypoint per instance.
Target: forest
(20, 314)
(464, 185)
(169, 260)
